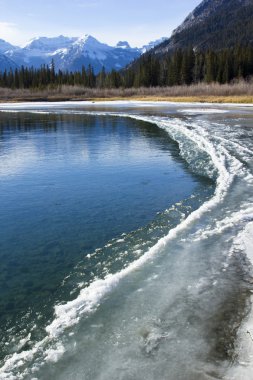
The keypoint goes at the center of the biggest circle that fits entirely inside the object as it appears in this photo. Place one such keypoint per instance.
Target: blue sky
(138, 21)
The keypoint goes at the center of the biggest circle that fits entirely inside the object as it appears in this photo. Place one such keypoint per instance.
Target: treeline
(186, 67)
(183, 67)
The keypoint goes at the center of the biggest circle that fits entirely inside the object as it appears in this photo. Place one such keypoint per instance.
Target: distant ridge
(70, 53)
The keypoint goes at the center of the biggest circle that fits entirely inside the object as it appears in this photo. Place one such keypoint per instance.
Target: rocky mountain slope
(213, 24)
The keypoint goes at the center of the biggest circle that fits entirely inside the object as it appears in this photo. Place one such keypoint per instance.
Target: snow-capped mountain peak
(50, 43)
(72, 53)
(5, 46)
(90, 43)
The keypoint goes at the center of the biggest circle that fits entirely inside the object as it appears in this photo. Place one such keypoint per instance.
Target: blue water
(68, 185)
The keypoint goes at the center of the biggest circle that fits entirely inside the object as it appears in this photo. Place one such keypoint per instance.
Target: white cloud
(9, 31)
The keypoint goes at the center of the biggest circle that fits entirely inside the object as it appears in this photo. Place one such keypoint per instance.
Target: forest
(182, 67)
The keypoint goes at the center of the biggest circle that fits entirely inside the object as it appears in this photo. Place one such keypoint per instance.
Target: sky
(110, 21)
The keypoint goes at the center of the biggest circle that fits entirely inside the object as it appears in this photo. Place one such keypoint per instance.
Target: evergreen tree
(181, 67)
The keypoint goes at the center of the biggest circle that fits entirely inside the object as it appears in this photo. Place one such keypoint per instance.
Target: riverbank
(241, 92)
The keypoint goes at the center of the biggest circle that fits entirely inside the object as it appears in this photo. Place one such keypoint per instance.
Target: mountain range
(213, 24)
(70, 53)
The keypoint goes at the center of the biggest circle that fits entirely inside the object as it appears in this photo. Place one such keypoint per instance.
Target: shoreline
(27, 104)
(244, 100)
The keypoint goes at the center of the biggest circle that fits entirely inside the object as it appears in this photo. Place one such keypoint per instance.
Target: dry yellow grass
(186, 99)
(240, 92)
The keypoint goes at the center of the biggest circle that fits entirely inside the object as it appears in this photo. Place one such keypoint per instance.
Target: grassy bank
(240, 92)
